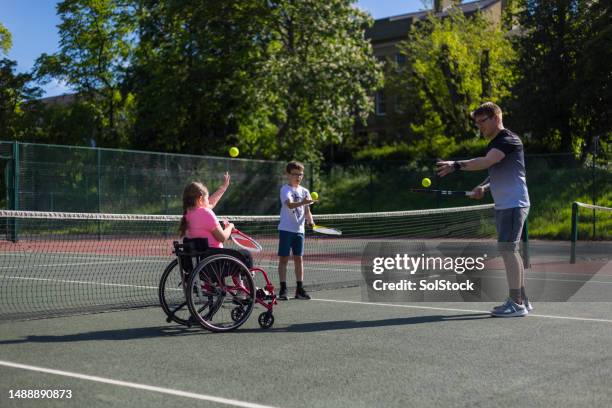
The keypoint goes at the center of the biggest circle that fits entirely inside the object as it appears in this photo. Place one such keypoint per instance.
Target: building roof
(397, 27)
(63, 100)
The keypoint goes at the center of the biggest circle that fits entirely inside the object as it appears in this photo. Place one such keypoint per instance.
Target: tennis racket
(325, 230)
(443, 192)
(243, 241)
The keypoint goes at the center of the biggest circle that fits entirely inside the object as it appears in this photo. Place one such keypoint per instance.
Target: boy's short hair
(294, 165)
(488, 109)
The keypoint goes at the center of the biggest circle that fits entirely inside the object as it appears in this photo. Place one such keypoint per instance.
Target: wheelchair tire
(216, 287)
(266, 320)
(172, 295)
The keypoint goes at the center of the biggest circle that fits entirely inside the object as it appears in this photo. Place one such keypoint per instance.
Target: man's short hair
(488, 109)
(294, 165)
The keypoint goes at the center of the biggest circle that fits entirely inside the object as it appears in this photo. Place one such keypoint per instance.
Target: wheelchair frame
(220, 280)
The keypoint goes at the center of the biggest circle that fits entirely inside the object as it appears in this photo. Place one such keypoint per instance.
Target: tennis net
(590, 223)
(70, 263)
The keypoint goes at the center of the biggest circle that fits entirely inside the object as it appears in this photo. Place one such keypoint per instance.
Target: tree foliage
(563, 96)
(6, 40)
(452, 65)
(95, 45)
(321, 74)
(281, 78)
(17, 94)
(195, 72)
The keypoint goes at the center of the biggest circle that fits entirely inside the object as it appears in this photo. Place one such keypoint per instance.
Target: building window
(381, 109)
(397, 105)
(400, 59)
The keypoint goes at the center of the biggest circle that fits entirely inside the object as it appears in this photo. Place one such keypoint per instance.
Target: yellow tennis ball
(314, 195)
(234, 152)
(426, 182)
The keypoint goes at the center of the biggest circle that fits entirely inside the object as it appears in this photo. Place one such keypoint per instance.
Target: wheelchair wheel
(221, 293)
(266, 320)
(172, 295)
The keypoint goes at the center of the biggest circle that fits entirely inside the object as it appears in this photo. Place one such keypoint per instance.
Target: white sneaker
(509, 309)
(527, 304)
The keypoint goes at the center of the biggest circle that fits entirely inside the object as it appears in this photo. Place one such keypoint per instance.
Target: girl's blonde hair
(191, 193)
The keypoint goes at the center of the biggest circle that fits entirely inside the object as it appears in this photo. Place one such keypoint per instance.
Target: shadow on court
(169, 331)
(356, 324)
(114, 335)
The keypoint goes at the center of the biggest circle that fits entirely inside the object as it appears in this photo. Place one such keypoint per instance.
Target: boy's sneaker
(301, 294)
(282, 294)
(509, 309)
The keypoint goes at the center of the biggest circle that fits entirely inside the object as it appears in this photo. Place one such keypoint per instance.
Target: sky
(33, 25)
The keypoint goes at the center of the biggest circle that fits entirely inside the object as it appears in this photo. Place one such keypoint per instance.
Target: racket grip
(469, 193)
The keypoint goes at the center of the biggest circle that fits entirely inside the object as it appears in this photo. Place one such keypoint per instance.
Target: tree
(195, 71)
(593, 84)
(452, 65)
(321, 73)
(95, 45)
(6, 40)
(16, 94)
(563, 95)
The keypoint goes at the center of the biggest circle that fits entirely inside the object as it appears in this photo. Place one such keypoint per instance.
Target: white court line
(76, 264)
(122, 285)
(162, 390)
(586, 319)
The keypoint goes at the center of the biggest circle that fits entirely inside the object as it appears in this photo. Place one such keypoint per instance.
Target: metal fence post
(574, 234)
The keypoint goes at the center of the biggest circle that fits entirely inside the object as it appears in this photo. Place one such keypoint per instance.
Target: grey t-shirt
(507, 177)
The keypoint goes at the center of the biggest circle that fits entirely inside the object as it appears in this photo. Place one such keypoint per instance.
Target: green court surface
(332, 351)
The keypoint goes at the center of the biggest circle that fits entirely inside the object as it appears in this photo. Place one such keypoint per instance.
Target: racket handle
(469, 193)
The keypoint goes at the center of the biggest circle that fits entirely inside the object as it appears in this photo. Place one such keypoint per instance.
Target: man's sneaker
(282, 295)
(527, 304)
(509, 309)
(301, 294)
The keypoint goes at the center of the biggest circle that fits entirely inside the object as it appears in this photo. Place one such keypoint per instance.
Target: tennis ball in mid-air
(234, 152)
(426, 182)
(314, 195)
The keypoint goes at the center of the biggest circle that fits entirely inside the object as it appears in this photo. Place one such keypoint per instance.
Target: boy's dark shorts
(290, 242)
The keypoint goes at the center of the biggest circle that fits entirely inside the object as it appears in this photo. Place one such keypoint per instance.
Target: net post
(574, 233)
(99, 174)
(14, 196)
(525, 239)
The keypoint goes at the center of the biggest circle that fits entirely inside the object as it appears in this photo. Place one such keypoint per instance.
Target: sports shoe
(282, 295)
(301, 294)
(509, 309)
(527, 304)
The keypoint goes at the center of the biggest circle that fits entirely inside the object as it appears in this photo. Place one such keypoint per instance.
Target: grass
(361, 188)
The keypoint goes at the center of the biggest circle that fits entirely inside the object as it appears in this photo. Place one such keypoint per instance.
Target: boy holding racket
(295, 210)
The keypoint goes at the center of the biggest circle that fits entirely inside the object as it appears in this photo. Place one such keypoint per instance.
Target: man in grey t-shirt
(505, 162)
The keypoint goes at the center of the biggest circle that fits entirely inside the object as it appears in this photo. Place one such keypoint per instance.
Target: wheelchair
(214, 287)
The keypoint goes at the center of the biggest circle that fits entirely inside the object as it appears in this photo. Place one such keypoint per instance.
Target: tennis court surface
(335, 350)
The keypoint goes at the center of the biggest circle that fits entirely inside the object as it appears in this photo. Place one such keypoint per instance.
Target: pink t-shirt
(201, 222)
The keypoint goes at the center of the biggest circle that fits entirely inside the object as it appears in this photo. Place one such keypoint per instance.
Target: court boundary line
(128, 384)
(586, 319)
(116, 262)
(121, 285)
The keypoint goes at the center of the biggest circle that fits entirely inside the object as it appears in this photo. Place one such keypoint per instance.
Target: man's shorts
(509, 223)
(290, 242)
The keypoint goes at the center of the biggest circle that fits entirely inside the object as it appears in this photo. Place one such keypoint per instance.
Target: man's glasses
(481, 121)
(297, 174)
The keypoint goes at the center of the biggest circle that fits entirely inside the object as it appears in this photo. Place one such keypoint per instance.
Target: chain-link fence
(77, 179)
